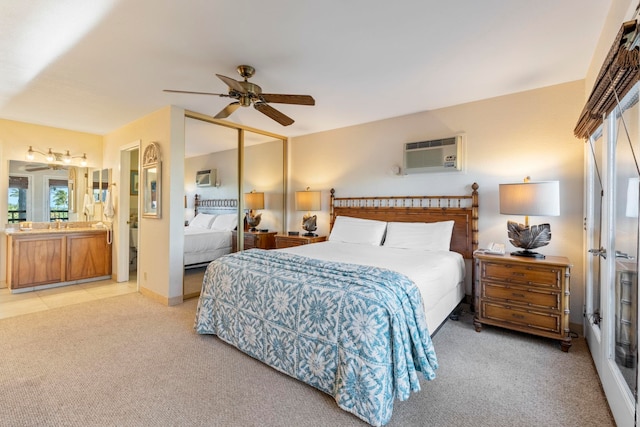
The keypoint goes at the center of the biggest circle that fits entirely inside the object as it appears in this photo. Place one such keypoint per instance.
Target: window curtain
(58, 183)
(19, 182)
(620, 71)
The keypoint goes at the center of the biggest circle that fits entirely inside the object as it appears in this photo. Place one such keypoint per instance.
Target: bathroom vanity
(61, 255)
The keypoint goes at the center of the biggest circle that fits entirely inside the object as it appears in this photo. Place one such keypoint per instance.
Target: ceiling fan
(247, 93)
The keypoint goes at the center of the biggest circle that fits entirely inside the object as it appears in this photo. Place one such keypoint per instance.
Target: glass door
(594, 204)
(623, 348)
(611, 223)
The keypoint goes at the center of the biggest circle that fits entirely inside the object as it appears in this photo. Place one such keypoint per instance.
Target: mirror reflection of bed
(207, 237)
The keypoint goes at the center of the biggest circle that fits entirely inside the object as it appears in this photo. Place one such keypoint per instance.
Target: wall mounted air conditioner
(437, 155)
(205, 178)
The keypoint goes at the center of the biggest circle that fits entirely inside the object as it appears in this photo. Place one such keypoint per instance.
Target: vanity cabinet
(45, 258)
(88, 256)
(36, 260)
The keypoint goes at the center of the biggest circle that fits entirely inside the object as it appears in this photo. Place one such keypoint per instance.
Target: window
(18, 194)
(58, 199)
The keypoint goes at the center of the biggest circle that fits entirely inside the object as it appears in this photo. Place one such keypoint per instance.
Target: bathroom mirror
(40, 192)
(99, 185)
(151, 182)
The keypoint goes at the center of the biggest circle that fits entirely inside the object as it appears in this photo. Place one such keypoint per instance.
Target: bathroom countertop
(69, 230)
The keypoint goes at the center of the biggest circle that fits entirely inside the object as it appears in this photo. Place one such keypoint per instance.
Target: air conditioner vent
(429, 144)
(437, 155)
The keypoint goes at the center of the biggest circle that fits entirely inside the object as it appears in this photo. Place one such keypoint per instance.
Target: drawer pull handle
(517, 295)
(518, 274)
(517, 316)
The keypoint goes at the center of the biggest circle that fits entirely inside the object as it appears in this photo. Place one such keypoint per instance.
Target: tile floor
(29, 302)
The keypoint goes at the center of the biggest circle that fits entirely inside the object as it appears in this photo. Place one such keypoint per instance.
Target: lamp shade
(254, 200)
(307, 200)
(530, 198)
(633, 194)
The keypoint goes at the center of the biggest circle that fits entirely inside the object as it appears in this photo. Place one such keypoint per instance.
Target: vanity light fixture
(53, 156)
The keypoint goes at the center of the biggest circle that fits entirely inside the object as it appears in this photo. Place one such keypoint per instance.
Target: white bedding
(439, 275)
(204, 244)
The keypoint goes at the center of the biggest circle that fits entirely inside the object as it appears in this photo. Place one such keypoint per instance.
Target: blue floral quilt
(355, 332)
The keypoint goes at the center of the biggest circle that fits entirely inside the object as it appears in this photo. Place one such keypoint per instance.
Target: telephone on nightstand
(494, 249)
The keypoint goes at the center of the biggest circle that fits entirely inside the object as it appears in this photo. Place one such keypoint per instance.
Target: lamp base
(310, 234)
(528, 253)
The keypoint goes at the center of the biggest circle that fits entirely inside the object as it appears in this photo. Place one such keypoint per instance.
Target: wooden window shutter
(620, 71)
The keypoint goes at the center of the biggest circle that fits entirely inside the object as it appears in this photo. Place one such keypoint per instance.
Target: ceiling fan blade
(288, 99)
(226, 111)
(233, 84)
(276, 115)
(194, 93)
(36, 169)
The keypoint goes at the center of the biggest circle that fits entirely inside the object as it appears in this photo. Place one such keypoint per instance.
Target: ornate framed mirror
(151, 181)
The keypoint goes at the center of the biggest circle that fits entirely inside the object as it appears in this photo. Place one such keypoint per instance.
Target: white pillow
(356, 230)
(225, 222)
(202, 220)
(427, 236)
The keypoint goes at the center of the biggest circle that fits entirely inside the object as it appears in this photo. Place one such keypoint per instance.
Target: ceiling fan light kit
(247, 93)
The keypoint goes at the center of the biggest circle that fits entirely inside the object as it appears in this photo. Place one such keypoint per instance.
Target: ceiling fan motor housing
(246, 71)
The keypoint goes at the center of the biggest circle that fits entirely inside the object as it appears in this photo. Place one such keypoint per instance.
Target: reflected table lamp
(253, 201)
(529, 199)
(633, 194)
(308, 201)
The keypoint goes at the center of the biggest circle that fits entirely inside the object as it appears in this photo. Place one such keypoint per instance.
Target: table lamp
(529, 199)
(253, 201)
(633, 194)
(308, 201)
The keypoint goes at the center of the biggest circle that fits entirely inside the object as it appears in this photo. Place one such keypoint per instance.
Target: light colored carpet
(129, 361)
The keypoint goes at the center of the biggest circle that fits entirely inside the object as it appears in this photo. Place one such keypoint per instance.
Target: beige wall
(226, 165)
(160, 241)
(507, 138)
(15, 139)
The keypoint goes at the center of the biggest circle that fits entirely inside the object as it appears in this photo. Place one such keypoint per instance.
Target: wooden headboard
(461, 209)
(214, 205)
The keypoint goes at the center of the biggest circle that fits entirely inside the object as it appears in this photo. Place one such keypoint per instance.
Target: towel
(109, 210)
(87, 206)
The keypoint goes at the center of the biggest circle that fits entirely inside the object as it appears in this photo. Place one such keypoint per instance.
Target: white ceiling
(97, 65)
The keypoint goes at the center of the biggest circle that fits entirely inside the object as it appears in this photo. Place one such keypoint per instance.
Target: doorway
(128, 220)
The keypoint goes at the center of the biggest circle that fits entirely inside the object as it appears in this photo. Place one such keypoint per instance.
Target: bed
(354, 330)
(208, 234)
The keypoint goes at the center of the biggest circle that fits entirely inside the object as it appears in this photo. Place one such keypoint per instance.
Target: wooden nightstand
(286, 241)
(254, 239)
(524, 294)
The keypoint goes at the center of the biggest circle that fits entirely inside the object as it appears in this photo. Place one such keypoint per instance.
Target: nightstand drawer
(527, 319)
(254, 239)
(527, 296)
(516, 273)
(287, 242)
